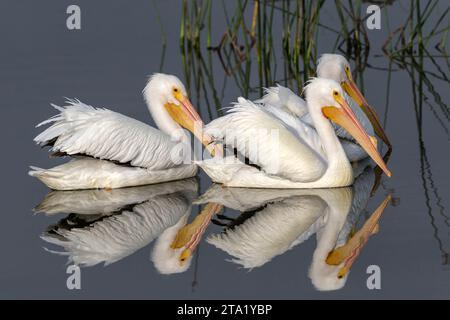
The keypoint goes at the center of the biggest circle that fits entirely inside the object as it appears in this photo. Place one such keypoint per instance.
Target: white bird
(112, 150)
(286, 152)
(337, 68)
(107, 226)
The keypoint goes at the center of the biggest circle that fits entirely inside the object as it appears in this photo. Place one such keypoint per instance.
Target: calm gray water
(106, 64)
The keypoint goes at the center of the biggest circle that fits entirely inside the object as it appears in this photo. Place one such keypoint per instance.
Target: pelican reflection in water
(106, 226)
(274, 221)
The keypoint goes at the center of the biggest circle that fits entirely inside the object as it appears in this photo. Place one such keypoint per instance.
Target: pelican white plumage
(287, 152)
(337, 68)
(113, 150)
(107, 226)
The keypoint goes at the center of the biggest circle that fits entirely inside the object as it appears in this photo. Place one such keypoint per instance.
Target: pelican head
(328, 95)
(336, 67)
(171, 108)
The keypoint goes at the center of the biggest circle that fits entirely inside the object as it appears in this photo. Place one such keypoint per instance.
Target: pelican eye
(335, 93)
(176, 92)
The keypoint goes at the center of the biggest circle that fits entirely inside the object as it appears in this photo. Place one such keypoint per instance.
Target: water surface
(106, 64)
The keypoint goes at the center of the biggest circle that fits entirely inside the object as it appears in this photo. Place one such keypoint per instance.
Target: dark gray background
(106, 64)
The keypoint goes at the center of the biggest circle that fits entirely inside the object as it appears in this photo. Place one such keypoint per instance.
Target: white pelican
(287, 152)
(107, 226)
(113, 150)
(337, 68)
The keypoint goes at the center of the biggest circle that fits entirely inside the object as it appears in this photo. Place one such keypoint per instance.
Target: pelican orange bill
(345, 117)
(186, 116)
(352, 90)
